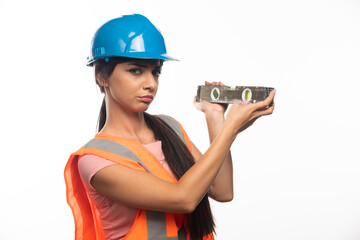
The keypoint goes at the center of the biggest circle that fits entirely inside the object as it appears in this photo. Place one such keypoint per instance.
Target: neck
(127, 124)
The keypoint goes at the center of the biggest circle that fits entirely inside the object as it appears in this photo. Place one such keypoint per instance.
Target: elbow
(228, 197)
(188, 208)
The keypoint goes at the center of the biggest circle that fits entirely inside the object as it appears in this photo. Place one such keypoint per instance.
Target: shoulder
(167, 118)
(177, 128)
(172, 123)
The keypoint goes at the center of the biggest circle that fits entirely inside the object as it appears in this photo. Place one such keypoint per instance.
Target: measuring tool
(238, 94)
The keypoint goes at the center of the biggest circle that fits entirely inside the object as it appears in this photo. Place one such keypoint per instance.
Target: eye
(156, 72)
(135, 71)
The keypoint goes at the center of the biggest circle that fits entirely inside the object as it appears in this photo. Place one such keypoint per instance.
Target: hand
(211, 108)
(242, 116)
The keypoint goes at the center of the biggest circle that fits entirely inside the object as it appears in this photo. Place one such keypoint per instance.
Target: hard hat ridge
(132, 36)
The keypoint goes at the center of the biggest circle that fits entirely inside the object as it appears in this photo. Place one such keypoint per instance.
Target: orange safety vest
(148, 225)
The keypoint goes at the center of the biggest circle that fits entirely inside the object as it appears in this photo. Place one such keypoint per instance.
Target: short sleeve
(89, 165)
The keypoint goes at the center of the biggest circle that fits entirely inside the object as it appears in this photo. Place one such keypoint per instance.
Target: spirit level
(225, 94)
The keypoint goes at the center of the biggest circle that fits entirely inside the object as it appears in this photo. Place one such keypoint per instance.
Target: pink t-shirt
(116, 218)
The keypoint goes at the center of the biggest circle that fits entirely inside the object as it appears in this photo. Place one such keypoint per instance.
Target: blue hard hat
(132, 36)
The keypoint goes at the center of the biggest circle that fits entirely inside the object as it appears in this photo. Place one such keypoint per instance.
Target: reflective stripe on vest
(156, 227)
(174, 125)
(115, 148)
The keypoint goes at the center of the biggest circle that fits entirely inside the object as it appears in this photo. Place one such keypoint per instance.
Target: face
(133, 85)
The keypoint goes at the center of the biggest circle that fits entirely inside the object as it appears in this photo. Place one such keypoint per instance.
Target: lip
(147, 98)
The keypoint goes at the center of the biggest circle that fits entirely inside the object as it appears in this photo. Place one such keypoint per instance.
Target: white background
(297, 172)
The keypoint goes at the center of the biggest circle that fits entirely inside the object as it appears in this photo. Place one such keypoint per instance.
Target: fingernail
(244, 102)
(274, 91)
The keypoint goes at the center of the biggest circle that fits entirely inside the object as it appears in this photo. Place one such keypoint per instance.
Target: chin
(136, 108)
(141, 109)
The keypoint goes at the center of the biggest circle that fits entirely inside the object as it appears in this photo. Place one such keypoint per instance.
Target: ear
(100, 79)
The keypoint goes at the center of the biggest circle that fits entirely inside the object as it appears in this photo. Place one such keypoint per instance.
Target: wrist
(215, 116)
(230, 131)
(215, 123)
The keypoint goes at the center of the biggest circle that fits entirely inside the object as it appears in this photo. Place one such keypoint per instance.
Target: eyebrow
(139, 65)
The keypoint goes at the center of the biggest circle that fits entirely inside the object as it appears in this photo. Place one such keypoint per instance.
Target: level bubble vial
(246, 95)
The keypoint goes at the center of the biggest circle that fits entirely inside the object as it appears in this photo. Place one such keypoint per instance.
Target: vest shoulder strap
(174, 125)
(178, 129)
(132, 154)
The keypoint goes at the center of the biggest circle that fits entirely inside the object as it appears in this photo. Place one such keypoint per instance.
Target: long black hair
(178, 156)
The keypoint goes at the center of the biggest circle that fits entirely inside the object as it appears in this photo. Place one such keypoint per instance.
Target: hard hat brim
(164, 57)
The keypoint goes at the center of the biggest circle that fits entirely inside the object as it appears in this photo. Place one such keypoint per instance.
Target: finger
(197, 105)
(264, 104)
(265, 112)
(216, 83)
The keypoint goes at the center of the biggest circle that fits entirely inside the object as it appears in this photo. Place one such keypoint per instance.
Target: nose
(150, 81)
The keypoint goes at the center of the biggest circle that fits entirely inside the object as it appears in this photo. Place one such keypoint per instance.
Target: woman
(141, 177)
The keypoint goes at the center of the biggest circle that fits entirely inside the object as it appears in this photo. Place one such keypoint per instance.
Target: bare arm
(143, 190)
(222, 187)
